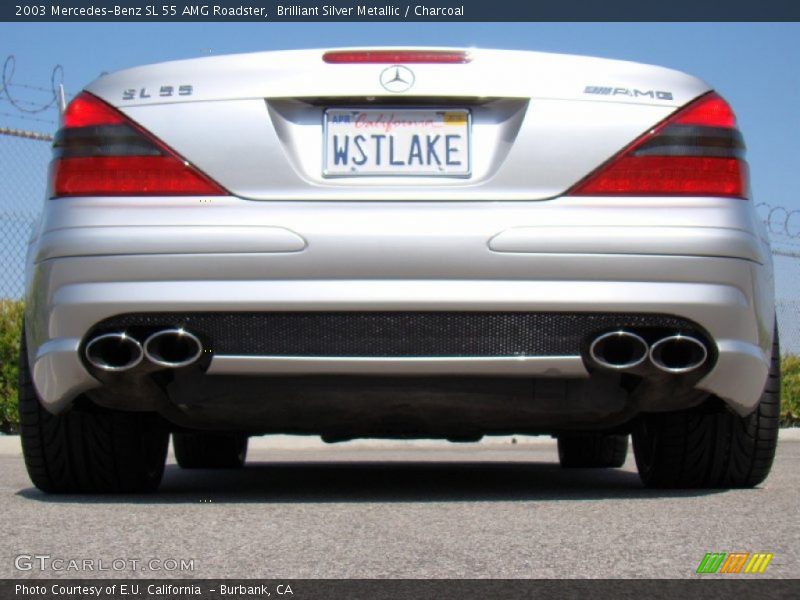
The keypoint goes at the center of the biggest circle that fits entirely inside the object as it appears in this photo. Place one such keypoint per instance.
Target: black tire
(88, 449)
(710, 446)
(592, 450)
(210, 450)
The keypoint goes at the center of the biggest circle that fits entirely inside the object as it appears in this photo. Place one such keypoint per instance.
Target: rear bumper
(704, 260)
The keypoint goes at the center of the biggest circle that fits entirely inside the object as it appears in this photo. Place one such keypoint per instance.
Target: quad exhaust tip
(678, 354)
(173, 348)
(114, 352)
(618, 350)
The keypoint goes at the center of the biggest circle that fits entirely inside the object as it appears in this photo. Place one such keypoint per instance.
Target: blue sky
(755, 66)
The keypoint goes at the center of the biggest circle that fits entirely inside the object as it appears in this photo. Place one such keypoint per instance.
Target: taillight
(396, 57)
(100, 152)
(698, 151)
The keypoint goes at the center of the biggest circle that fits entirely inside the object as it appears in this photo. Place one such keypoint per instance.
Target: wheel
(210, 450)
(592, 450)
(88, 449)
(710, 447)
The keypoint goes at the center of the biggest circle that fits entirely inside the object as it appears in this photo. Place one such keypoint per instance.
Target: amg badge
(620, 91)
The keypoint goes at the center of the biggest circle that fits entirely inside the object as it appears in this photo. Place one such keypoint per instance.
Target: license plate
(396, 142)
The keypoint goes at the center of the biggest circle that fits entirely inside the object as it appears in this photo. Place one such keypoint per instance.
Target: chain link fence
(788, 308)
(23, 171)
(23, 168)
(784, 230)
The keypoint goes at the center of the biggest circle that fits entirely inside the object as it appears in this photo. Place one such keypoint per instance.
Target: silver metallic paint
(505, 239)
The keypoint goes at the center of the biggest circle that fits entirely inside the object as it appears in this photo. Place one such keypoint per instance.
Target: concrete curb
(10, 444)
(291, 442)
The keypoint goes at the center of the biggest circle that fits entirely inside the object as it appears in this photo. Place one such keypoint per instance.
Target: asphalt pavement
(303, 509)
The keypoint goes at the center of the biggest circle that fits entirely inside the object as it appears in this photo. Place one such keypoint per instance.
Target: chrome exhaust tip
(678, 354)
(114, 352)
(173, 348)
(618, 350)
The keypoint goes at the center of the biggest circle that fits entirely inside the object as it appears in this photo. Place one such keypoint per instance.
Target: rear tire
(592, 450)
(88, 449)
(711, 447)
(210, 450)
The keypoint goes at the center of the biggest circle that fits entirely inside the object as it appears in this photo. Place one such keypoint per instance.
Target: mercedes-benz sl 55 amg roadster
(398, 243)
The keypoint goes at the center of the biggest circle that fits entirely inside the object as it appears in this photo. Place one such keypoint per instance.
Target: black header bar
(150, 11)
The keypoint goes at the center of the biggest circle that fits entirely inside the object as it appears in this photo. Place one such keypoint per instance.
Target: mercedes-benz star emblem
(397, 78)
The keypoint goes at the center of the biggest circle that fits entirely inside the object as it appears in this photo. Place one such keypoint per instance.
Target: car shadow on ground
(379, 481)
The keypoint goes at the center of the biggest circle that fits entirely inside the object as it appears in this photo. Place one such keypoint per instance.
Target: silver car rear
(402, 243)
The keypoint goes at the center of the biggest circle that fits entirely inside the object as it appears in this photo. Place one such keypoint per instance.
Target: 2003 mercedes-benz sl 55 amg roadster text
(398, 243)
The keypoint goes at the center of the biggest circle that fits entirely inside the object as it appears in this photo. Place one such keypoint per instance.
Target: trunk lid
(263, 124)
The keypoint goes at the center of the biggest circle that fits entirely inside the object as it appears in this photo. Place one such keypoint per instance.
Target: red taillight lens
(658, 175)
(396, 57)
(129, 176)
(708, 111)
(86, 110)
(100, 152)
(698, 151)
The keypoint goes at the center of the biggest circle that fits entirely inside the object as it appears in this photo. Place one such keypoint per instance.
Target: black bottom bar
(400, 589)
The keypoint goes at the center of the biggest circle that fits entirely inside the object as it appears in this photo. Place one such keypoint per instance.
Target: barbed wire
(780, 220)
(31, 135)
(28, 102)
(36, 88)
(27, 118)
(781, 252)
(6, 82)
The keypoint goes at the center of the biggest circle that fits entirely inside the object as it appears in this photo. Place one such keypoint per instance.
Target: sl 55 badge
(165, 91)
